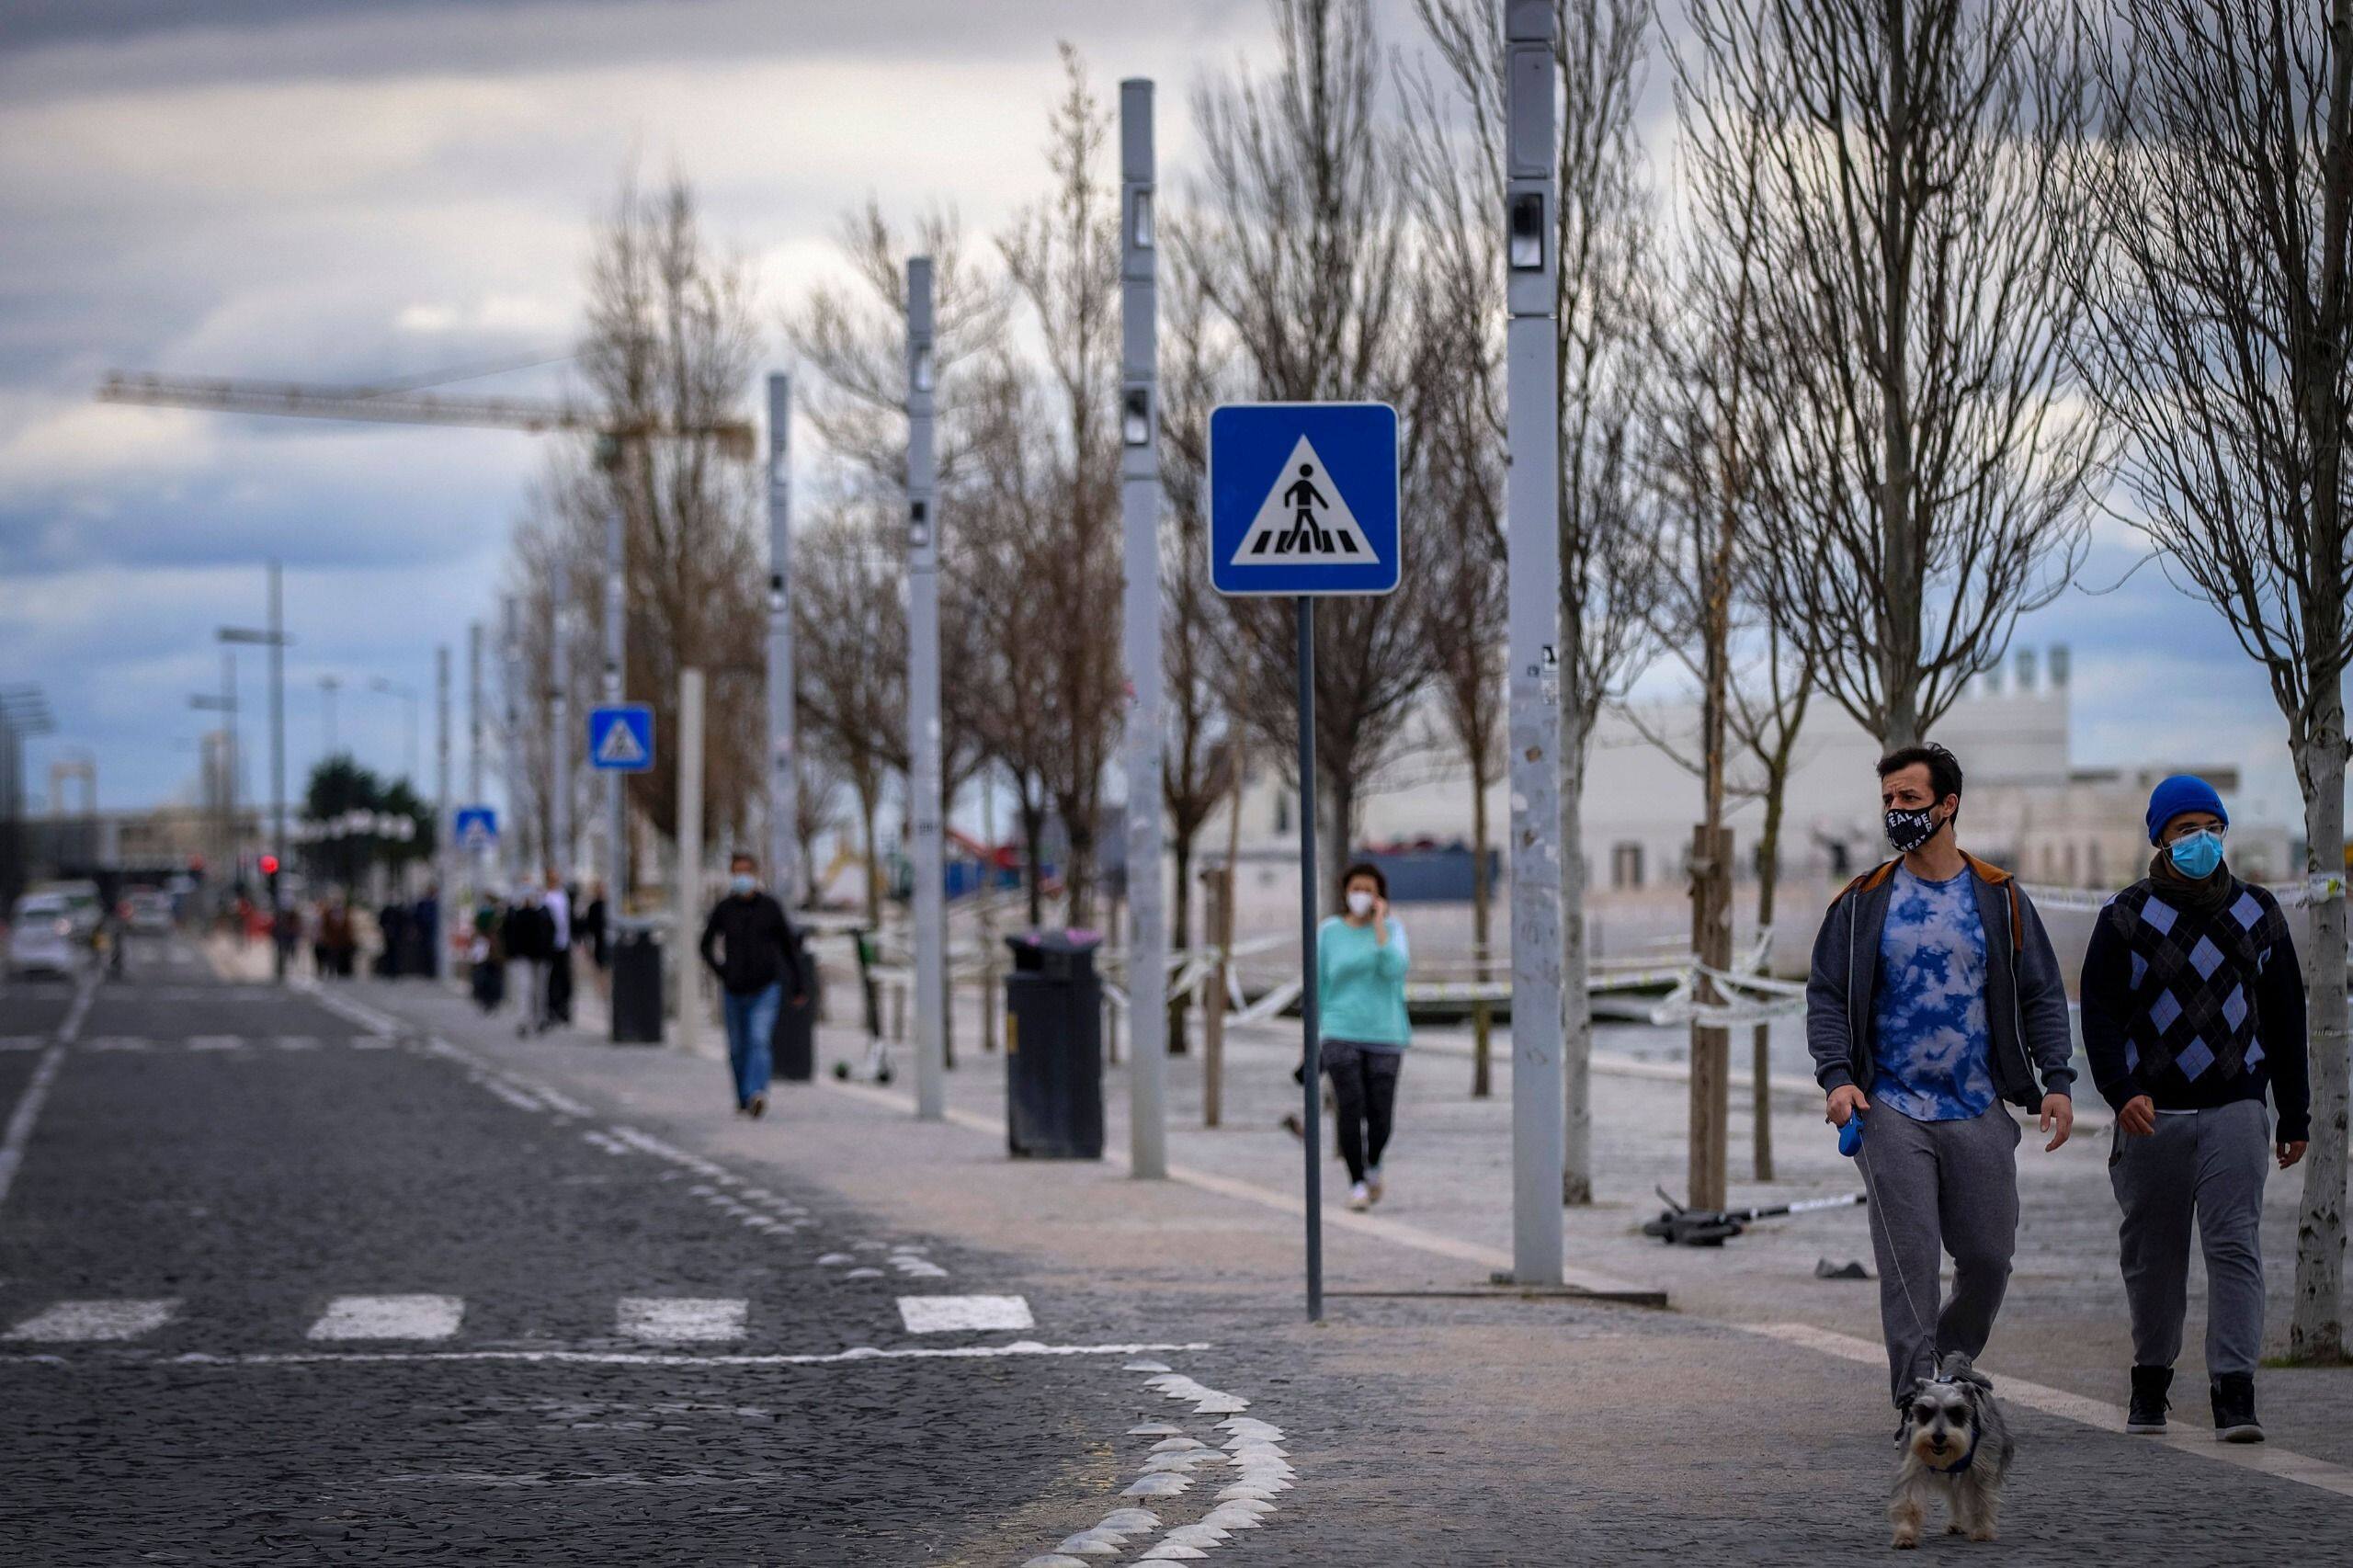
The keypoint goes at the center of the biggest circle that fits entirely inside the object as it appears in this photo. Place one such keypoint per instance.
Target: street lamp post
(1140, 519)
(1532, 507)
(929, 935)
(274, 637)
(225, 760)
(409, 697)
(328, 685)
(783, 782)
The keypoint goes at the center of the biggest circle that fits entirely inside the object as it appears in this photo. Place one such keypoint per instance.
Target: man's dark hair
(1365, 869)
(743, 858)
(1944, 768)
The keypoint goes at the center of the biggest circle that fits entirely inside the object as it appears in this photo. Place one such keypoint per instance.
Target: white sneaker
(1374, 1185)
(1360, 1196)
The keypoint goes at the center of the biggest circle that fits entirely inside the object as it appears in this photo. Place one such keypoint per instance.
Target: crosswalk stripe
(390, 1317)
(96, 1320)
(679, 1320)
(943, 1314)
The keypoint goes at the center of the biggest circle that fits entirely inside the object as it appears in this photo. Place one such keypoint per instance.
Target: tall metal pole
(613, 456)
(1532, 507)
(929, 937)
(784, 804)
(559, 854)
(1140, 517)
(328, 685)
(473, 742)
(511, 735)
(443, 900)
(689, 910)
(1312, 1106)
(277, 760)
(229, 756)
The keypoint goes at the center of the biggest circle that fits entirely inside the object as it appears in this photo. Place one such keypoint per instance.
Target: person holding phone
(1361, 962)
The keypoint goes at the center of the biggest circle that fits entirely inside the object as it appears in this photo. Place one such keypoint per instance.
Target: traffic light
(270, 865)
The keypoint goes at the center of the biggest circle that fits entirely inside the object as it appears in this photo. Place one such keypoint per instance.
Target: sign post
(928, 934)
(1303, 503)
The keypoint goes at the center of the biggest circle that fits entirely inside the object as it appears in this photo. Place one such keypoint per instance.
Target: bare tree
(1297, 232)
(671, 340)
(847, 621)
(1931, 476)
(1201, 755)
(1062, 256)
(2220, 317)
(1767, 714)
(1603, 239)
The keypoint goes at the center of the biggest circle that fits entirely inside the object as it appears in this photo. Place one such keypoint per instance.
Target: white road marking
(513, 1096)
(948, 1315)
(563, 1103)
(216, 1043)
(1018, 1348)
(373, 1042)
(296, 1042)
(677, 1320)
(118, 1042)
(22, 1042)
(2269, 1458)
(19, 1130)
(83, 1321)
(390, 1317)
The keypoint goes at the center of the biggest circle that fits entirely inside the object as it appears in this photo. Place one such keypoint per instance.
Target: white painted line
(118, 1042)
(1018, 1348)
(513, 1096)
(82, 1321)
(2267, 1458)
(367, 1018)
(563, 1103)
(372, 1042)
(296, 1042)
(677, 1320)
(390, 1317)
(948, 1315)
(20, 1120)
(22, 1042)
(215, 1042)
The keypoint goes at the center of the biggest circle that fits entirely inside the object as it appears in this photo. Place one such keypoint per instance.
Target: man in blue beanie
(2193, 1005)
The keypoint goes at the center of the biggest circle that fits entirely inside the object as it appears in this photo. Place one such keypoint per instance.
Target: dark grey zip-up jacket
(2026, 1001)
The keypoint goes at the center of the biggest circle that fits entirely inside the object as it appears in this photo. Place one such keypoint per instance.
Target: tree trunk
(1180, 937)
(1768, 876)
(1899, 639)
(1078, 876)
(1481, 923)
(1033, 828)
(2317, 1329)
(1576, 1032)
(866, 808)
(1213, 1016)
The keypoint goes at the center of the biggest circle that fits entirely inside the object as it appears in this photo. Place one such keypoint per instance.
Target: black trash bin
(637, 982)
(792, 1044)
(1053, 1047)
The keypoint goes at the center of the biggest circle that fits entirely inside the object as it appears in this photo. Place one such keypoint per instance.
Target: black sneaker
(2234, 1419)
(2147, 1418)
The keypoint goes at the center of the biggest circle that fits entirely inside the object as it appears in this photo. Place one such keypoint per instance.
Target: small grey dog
(1955, 1443)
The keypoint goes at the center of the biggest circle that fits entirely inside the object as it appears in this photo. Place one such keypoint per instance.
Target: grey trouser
(1936, 1188)
(2209, 1165)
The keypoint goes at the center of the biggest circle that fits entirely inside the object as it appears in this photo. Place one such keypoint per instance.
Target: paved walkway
(1439, 1423)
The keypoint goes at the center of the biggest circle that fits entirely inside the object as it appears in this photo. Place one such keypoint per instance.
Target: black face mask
(1909, 830)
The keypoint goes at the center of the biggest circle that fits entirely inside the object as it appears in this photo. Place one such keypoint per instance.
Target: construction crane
(402, 405)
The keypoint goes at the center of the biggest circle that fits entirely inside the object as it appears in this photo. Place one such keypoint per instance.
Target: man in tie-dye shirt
(1935, 996)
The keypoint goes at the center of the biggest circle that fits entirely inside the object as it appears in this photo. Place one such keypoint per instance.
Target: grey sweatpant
(2209, 1165)
(1936, 1187)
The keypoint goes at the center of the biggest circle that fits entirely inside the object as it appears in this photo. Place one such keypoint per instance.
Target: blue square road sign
(620, 738)
(1303, 498)
(476, 827)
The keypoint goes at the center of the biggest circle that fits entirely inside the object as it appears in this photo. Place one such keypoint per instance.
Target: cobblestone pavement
(414, 1290)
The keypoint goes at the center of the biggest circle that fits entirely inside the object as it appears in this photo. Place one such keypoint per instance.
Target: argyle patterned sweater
(2197, 1011)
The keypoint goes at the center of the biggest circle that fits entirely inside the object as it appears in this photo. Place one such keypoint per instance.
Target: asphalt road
(274, 1288)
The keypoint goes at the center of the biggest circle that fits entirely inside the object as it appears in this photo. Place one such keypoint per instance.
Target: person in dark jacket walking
(1934, 998)
(2193, 1005)
(752, 948)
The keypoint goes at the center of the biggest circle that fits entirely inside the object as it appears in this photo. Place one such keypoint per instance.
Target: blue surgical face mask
(743, 882)
(2195, 855)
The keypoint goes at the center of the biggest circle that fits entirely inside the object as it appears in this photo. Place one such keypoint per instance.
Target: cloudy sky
(345, 193)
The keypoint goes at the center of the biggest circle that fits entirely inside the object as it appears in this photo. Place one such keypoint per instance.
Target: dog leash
(1879, 1219)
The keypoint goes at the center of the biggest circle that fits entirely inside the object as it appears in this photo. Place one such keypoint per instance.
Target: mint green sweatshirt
(1361, 985)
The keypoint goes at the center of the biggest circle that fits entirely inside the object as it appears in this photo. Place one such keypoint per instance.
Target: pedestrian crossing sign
(620, 738)
(1303, 498)
(477, 827)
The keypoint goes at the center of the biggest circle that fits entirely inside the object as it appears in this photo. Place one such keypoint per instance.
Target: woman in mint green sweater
(1360, 959)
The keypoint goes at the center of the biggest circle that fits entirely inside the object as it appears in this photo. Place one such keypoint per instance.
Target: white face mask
(1359, 903)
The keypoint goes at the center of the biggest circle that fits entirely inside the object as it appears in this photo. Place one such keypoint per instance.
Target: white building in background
(2025, 805)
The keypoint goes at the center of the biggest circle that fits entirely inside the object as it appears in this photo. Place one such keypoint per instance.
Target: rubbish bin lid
(1066, 941)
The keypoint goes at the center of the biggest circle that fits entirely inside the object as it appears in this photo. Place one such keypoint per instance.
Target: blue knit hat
(2182, 793)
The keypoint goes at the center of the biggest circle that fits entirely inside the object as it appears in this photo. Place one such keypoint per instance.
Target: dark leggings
(1364, 1092)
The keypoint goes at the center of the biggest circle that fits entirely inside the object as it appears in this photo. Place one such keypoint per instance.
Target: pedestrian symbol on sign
(620, 748)
(1299, 521)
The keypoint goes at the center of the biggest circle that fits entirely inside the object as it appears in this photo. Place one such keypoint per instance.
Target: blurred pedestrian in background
(750, 945)
(1361, 962)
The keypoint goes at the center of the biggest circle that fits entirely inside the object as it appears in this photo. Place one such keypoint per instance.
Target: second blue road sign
(620, 738)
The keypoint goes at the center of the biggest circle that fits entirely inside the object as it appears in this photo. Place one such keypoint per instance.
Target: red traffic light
(270, 865)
